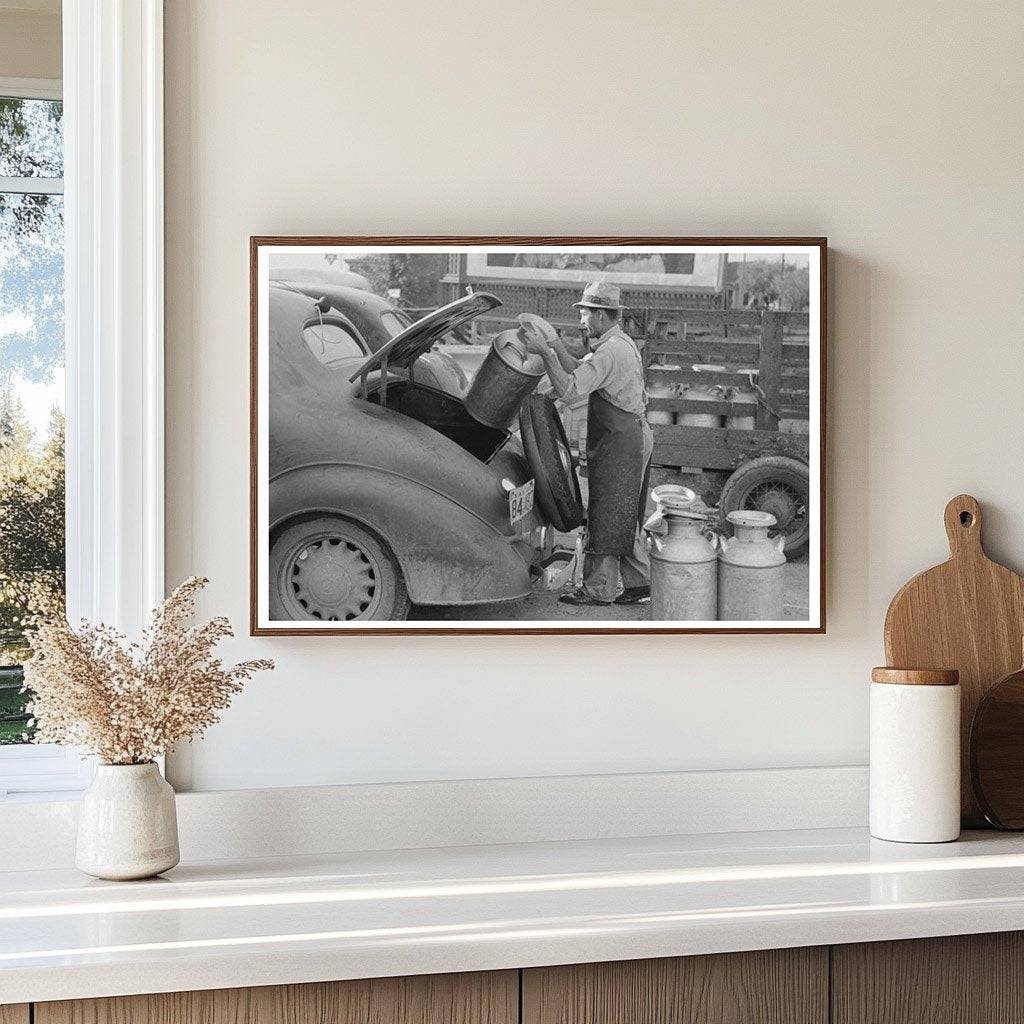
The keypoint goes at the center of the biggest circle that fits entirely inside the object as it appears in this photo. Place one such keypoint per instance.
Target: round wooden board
(997, 752)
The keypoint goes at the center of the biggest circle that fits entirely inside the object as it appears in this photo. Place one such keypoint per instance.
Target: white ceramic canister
(127, 825)
(915, 755)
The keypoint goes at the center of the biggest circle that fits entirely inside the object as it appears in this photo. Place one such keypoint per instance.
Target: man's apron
(615, 475)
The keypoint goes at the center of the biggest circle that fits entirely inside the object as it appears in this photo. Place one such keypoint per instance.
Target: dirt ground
(542, 605)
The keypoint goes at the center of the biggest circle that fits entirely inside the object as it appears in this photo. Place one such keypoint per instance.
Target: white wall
(895, 129)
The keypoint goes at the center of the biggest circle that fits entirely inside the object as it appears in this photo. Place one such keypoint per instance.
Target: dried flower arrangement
(130, 703)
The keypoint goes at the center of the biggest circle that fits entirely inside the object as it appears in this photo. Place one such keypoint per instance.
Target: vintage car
(352, 321)
(383, 490)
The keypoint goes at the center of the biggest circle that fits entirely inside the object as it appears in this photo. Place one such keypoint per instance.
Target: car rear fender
(448, 555)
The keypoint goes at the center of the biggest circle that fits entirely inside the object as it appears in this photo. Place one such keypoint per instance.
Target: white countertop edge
(543, 946)
(228, 924)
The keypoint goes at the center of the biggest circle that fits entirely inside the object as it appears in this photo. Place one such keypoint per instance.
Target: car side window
(332, 341)
(394, 323)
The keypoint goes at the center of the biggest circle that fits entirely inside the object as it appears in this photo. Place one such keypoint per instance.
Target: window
(394, 323)
(332, 341)
(109, 208)
(32, 472)
(32, 548)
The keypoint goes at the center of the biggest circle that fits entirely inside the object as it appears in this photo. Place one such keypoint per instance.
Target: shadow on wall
(852, 287)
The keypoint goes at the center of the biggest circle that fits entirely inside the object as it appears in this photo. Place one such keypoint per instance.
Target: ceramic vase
(127, 825)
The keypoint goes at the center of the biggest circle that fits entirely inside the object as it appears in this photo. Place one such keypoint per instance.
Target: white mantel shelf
(263, 922)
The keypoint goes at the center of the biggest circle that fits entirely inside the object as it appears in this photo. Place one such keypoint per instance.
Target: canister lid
(512, 351)
(916, 676)
(674, 496)
(751, 517)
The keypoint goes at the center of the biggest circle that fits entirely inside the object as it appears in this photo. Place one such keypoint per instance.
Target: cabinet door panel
(14, 1013)
(777, 986)
(481, 998)
(960, 979)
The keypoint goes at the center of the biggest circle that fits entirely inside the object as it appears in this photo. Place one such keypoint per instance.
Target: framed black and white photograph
(537, 435)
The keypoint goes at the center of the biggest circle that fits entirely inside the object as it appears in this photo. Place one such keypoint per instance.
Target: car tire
(330, 569)
(776, 484)
(557, 488)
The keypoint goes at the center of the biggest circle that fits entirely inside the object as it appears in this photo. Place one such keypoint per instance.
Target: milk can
(751, 569)
(655, 390)
(702, 393)
(745, 404)
(507, 375)
(684, 577)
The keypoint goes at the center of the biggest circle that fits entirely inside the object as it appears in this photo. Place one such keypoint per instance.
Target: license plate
(520, 502)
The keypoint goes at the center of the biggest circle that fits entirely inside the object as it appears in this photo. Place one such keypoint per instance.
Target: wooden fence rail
(765, 352)
(768, 347)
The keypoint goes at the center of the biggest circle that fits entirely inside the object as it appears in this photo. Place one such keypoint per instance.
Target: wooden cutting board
(967, 614)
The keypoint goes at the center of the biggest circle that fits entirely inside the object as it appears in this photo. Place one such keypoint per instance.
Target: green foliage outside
(13, 725)
(31, 549)
(31, 351)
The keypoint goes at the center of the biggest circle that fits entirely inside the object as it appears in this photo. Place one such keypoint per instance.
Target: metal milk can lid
(752, 518)
(511, 349)
(673, 496)
(752, 547)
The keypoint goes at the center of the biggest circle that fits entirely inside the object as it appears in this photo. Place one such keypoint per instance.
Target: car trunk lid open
(405, 348)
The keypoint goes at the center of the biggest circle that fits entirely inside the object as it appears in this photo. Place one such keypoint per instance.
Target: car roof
(344, 278)
(341, 296)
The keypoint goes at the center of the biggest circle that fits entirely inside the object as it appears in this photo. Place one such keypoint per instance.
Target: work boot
(581, 597)
(634, 595)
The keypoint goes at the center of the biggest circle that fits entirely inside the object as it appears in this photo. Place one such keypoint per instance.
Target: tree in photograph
(417, 276)
(794, 288)
(774, 284)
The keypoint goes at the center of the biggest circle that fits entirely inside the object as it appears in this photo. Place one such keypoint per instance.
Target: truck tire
(779, 485)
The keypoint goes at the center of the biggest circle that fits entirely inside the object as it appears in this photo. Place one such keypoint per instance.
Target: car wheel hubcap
(332, 579)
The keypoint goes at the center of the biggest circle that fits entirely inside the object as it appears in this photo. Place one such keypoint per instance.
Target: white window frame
(38, 768)
(114, 325)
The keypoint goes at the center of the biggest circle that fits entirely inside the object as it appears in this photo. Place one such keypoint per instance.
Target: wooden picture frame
(736, 318)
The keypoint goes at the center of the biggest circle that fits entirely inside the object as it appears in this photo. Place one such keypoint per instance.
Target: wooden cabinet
(775, 986)
(970, 979)
(962, 979)
(483, 998)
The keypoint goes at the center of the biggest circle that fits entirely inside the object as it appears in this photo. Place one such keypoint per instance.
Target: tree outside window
(32, 556)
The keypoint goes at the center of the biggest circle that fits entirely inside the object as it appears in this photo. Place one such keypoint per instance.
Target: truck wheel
(547, 451)
(330, 569)
(776, 484)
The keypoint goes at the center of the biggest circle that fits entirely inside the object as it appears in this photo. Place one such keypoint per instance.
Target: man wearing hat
(619, 445)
